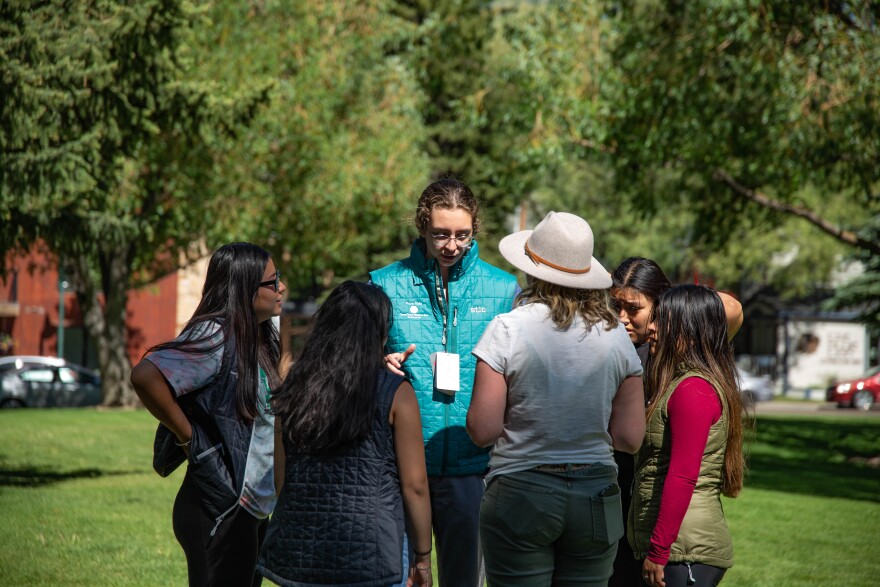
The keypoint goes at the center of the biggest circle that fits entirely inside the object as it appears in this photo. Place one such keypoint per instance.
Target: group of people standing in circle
(442, 412)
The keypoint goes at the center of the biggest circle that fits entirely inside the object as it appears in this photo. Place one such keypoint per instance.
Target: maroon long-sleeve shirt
(692, 410)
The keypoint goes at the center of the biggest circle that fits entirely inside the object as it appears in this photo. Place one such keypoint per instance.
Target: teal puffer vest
(477, 293)
(703, 537)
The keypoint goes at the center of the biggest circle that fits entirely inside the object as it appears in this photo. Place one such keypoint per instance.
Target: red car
(860, 393)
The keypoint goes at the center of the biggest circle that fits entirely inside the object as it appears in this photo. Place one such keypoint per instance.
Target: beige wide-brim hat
(559, 250)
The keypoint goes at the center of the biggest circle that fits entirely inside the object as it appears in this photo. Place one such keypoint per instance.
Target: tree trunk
(105, 322)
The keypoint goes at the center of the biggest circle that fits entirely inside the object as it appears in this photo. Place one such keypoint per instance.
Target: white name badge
(445, 367)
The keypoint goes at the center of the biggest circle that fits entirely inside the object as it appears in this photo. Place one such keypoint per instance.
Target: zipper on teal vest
(450, 345)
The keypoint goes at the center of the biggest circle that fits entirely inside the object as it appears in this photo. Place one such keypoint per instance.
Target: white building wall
(190, 281)
(822, 352)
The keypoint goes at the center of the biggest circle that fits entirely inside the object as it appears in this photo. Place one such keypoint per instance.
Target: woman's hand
(394, 361)
(420, 572)
(652, 574)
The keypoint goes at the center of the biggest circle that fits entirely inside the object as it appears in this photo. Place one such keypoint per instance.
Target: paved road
(811, 407)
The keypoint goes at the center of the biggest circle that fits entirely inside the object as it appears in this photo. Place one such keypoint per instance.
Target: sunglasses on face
(275, 284)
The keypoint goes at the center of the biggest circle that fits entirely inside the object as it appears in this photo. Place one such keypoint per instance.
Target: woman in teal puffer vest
(443, 296)
(692, 453)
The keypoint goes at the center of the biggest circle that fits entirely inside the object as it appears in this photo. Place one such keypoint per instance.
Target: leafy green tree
(446, 51)
(329, 172)
(749, 106)
(556, 100)
(479, 111)
(104, 146)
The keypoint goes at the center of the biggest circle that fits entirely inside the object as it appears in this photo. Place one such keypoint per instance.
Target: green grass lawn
(81, 505)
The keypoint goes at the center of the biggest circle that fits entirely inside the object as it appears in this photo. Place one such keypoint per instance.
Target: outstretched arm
(410, 451)
(734, 312)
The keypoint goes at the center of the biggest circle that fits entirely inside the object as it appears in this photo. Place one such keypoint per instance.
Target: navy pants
(455, 514)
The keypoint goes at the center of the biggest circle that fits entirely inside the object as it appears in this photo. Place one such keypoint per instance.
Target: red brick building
(29, 311)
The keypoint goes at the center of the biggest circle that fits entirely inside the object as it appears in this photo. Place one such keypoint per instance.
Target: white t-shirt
(560, 385)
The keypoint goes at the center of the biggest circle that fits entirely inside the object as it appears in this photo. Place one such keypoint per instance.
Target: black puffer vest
(339, 518)
(220, 441)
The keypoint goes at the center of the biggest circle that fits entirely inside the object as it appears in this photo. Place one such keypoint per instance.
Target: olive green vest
(703, 537)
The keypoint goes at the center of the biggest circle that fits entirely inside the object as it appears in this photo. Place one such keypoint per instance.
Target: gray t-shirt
(188, 371)
(258, 496)
(560, 385)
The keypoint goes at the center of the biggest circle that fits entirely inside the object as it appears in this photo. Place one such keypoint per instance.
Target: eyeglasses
(441, 240)
(275, 284)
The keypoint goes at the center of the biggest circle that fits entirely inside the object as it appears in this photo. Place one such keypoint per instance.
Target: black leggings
(227, 559)
(693, 575)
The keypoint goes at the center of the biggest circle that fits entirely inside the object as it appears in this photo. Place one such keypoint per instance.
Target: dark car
(44, 382)
(860, 393)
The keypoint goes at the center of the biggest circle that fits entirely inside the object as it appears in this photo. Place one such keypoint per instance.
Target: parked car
(861, 393)
(42, 382)
(754, 388)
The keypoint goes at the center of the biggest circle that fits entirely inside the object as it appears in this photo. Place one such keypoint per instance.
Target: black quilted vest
(339, 518)
(220, 441)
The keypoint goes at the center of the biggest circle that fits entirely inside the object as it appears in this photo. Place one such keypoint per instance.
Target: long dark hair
(691, 330)
(328, 399)
(234, 274)
(642, 275)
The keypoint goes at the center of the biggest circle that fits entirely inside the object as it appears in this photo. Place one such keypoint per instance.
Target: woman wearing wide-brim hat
(558, 384)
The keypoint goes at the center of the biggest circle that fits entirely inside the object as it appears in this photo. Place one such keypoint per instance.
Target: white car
(39, 382)
(754, 388)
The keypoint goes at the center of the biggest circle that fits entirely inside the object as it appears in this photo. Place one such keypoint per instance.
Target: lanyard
(442, 301)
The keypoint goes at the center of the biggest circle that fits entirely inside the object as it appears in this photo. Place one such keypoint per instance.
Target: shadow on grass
(36, 477)
(816, 457)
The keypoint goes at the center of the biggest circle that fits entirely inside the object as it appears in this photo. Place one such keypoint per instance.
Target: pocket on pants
(519, 508)
(607, 515)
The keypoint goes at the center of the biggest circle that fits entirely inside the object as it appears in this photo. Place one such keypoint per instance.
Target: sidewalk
(811, 407)
(813, 394)
(792, 407)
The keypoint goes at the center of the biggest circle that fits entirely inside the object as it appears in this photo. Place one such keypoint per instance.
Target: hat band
(531, 255)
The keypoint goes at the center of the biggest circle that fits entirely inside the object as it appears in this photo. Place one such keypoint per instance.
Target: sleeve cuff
(656, 557)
